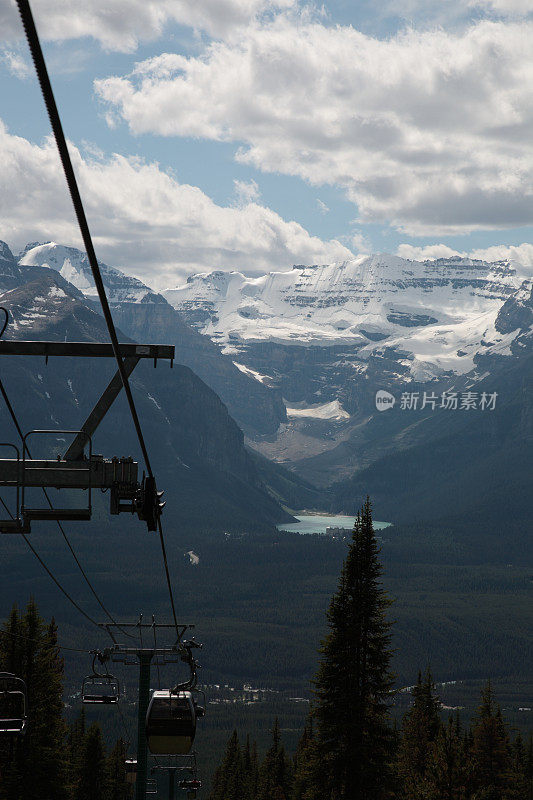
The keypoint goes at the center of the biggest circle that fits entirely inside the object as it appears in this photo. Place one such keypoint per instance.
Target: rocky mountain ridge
(210, 479)
(141, 313)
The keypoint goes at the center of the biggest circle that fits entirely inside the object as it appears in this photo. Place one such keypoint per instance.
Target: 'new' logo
(384, 400)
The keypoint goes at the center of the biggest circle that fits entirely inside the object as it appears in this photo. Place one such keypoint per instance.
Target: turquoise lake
(317, 523)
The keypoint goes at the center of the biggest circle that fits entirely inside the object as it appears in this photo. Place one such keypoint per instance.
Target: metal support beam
(105, 402)
(97, 473)
(9, 347)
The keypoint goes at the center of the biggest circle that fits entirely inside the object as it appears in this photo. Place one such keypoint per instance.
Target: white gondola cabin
(171, 722)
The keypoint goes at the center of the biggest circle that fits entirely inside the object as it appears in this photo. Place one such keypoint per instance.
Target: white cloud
(505, 8)
(246, 192)
(427, 130)
(322, 207)
(428, 252)
(121, 24)
(143, 219)
(16, 64)
(522, 253)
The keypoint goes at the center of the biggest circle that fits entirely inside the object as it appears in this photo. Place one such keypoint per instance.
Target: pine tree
(353, 685)
(229, 783)
(305, 758)
(117, 786)
(251, 770)
(92, 784)
(75, 745)
(36, 767)
(528, 768)
(491, 761)
(447, 767)
(420, 728)
(275, 774)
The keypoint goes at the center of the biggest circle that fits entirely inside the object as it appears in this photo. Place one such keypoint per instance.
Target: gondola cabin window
(170, 723)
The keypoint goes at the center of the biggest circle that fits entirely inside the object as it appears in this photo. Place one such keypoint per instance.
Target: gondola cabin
(100, 689)
(13, 704)
(170, 723)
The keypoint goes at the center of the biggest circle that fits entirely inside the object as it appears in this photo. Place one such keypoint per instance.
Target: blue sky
(254, 134)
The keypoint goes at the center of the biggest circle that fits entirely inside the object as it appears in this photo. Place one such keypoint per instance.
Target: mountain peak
(73, 265)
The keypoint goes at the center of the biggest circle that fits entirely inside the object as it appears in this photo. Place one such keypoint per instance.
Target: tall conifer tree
(353, 687)
(34, 766)
(420, 728)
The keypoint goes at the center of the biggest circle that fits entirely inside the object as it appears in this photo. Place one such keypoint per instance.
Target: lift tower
(78, 467)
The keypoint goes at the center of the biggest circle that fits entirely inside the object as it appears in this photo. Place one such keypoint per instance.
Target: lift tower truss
(79, 468)
(144, 655)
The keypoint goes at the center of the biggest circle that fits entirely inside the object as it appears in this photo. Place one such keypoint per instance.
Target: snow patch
(332, 410)
(253, 374)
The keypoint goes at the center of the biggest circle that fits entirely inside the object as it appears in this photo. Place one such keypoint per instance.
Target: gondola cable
(57, 128)
(59, 646)
(50, 573)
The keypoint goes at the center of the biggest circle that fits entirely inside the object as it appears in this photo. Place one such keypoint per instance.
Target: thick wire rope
(55, 120)
(63, 533)
(57, 583)
(60, 646)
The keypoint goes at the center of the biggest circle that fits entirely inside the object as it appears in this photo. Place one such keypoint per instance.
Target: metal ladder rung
(57, 513)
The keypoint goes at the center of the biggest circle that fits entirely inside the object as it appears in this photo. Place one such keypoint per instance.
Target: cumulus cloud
(121, 24)
(246, 192)
(427, 130)
(16, 64)
(505, 8)
(143, 219)
(522, 253)
(427, 252)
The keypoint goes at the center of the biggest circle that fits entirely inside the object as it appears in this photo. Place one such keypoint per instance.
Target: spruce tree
(275, 774)
(305, 758)
(528, 768)
(34, 766)
(93, 779)
(447, 766)
(491, 760)
(353, 687)
(251, 770)
(229, 783)
(420, 728)
(117, 787)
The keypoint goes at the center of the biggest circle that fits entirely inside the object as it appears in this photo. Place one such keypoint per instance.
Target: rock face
(210, 479)
(142, 313)
(9, 271)
(517, 312)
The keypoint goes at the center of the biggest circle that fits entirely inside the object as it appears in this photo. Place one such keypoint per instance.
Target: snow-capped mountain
(142, 314)
(73, 265)
(436, 313)
(329, 337)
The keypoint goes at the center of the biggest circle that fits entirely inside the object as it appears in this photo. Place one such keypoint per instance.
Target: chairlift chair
(13, 704)
(191, 785)
(171, 722)
(100, 690)
(151, 786)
